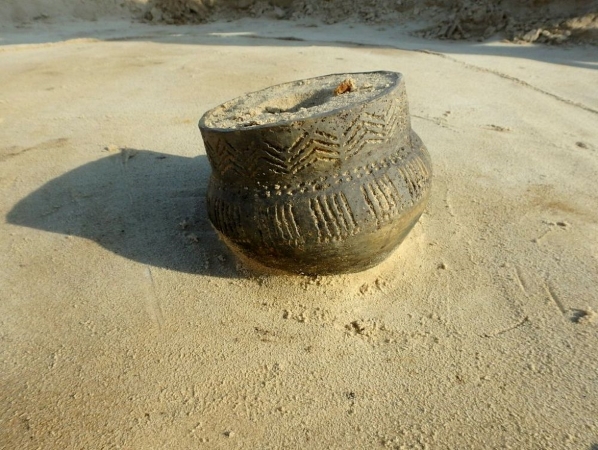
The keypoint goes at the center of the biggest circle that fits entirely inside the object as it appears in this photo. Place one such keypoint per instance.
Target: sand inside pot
(299, 99)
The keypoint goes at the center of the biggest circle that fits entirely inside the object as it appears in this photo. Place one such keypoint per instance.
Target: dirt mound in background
(547, 21)
(581, 29)
(179, 11)
(553, 22)
(20, 12)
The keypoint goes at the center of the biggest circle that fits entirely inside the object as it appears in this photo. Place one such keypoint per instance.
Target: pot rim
(398, 77)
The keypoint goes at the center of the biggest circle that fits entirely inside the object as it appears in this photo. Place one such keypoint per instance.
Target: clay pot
(313, 181)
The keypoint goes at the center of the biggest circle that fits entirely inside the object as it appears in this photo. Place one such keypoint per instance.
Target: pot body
(332, 193)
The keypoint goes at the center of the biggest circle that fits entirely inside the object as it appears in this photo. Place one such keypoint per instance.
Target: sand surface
(125, 323)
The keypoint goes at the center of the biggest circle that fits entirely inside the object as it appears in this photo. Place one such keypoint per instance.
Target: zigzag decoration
(224, 157)
(370, 128)
(309, 148)
(306, 150)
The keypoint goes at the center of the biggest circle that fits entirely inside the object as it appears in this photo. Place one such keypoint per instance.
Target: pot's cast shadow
(142, 205)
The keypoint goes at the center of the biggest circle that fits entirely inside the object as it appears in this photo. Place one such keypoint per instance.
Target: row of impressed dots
(321, 182)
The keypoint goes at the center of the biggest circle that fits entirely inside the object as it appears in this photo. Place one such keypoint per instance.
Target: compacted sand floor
(126, 323)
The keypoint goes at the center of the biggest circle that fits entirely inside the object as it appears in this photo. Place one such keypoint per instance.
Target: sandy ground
(125, 323)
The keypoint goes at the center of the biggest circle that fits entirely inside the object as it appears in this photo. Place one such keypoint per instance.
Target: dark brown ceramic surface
(329, 193)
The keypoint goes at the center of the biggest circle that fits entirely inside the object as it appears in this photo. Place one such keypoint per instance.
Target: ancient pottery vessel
(317, 176)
